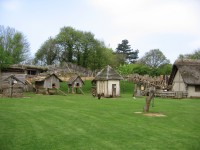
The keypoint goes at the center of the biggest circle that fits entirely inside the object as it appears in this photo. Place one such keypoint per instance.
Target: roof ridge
(187, 61)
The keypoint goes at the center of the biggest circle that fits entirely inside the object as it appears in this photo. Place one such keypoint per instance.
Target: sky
(172, 26)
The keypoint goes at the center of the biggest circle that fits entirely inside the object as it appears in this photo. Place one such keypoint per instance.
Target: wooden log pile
(158, 82)
(144, 83)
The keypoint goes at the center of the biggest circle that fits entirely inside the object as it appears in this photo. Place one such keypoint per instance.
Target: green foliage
(83, 122)
(126, 87)
(164, 69)
(154, 58)
(194, 55)
(125, 54)
(5, 58)
(14, 47)
(68, 39)
(75, 46)
(48, 53)
(142, 69)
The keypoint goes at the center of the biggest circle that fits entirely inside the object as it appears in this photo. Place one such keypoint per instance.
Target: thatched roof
(43, 77)
(189, 70)
(74, 78)
(21, 68)
(28, 67)
(108, 73)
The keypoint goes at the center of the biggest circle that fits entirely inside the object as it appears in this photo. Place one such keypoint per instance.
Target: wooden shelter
(12, 86)
(46, 82)
(23, 72)
(108, 82)
(185, 78)
(28, 70)
(75, 82)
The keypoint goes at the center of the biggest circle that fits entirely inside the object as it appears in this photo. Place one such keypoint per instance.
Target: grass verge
(82, 122)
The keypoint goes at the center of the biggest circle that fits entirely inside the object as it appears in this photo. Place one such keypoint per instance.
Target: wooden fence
(172, 94)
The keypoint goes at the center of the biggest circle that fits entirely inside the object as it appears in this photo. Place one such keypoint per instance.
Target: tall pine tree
(125, 54)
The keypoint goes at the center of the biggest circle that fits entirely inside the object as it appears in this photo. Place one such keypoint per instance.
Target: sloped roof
(73, 78)
(108, 73)
(13, 77)
(189, 70)
(43, 77)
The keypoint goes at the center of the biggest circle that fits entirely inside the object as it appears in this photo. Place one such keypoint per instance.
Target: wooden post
(134, 90)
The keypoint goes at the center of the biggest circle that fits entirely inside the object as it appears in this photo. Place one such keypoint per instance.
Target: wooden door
(114, 90)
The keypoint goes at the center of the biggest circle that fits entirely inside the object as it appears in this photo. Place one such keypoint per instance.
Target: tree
(194, 55)
(88, 46)
(75, 46)
(154, 58)
(125, 53)
(136, 68)
(14, 47)
(48, 53)
(100, 56)
(68, 39)
(164, 69)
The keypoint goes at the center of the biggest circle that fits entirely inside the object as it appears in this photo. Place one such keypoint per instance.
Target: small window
(31, 72)
(197, 88)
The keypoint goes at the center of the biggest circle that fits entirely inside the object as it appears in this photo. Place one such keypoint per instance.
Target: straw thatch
(74, 79)
(108, 73)
(189, 70)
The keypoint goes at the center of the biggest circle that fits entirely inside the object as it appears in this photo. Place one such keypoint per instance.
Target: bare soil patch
(151, 114)
(154, 115)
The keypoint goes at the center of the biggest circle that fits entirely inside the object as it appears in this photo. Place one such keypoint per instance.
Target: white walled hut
(108, 82)
(185, 78)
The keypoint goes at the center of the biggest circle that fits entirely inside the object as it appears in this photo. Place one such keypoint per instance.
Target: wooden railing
(172, 94)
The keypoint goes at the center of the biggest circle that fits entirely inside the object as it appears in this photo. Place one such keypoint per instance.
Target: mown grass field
(81, 122)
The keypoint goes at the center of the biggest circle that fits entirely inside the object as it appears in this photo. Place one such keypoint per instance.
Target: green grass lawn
(81, 122)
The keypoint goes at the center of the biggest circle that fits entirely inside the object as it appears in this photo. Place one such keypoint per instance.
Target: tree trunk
(135, 90)
(149, 97)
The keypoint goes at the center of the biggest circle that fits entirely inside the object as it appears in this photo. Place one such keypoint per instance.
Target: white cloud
(11, 5)
(147, 23)
(170, 25)
(143, 17)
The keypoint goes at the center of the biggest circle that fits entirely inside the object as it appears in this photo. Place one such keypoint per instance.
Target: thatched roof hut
(185, 77)
(12, 86)
(75, 82)
(108, 82)
(46, 81)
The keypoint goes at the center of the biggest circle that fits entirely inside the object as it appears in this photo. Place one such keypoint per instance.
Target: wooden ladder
(61, 91)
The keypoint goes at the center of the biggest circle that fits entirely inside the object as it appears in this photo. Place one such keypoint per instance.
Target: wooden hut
(75, 82)
(23, 72)
(46, 82)
(185, 78)
(108, 82)
(12, 87)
